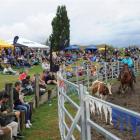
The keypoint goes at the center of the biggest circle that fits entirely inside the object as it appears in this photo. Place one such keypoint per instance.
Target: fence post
(88, 127)
(63, 116)
(77, 75)
(137, 66)
(9, 91)
(97, 73)
(64, 71)
(87, 76)
(105, 72)
(112, 68)
(118, 68)
(36, 90)
(83, 113)
(134, 66)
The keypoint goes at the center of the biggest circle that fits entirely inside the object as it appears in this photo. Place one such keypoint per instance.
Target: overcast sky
(115, 22)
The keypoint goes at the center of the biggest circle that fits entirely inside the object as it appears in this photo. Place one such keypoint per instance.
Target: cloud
(115, 22)
(35, 28)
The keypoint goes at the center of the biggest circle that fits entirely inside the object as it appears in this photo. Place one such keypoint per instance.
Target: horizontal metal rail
(71, 101)
(102, 131)
(75, 85)
(130, 112)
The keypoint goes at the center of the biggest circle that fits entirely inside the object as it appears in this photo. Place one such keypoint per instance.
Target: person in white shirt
(9, 70)
(45, 65)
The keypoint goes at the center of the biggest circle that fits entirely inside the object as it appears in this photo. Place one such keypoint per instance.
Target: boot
(134, 79)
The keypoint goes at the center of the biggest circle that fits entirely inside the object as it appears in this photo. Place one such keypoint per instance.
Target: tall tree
(60, 37)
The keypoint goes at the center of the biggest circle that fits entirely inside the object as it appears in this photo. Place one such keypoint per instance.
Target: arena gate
(76, 107)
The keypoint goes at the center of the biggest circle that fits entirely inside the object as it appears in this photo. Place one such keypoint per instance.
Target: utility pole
(105, 52)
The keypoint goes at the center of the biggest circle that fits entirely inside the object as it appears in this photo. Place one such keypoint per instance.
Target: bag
(5, 120)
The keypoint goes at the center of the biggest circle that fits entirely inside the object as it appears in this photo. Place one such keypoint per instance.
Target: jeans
(26, 108)
(132, 70)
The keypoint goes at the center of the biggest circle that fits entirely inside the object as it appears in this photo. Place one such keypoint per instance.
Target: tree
(60, 37)
(47, 42)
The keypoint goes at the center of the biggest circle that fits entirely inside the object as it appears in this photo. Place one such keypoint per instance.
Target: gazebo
(72, 47)
(91, 48)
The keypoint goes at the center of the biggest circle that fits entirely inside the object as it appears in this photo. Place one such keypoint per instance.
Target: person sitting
(128, 60)
(42, 85)
(34, 61)
(50, 79)
(80, 71)
(27, 86)
(20, 105)
(23, 75)
(9, 70)
(69, 61)
(45, 65)
(42, 78)
(7, 119)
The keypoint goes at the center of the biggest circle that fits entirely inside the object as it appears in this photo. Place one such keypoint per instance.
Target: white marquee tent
(29, 44)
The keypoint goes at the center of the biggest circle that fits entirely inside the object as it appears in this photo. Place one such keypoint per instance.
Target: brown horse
(126, 79)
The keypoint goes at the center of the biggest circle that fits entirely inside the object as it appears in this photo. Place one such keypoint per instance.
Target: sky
(114, 22)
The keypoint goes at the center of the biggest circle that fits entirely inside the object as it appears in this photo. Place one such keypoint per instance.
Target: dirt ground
(130, 100)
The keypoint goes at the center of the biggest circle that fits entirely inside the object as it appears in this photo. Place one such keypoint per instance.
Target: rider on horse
(128, 60)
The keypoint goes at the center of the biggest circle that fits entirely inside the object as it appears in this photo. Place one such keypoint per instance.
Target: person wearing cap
(128, 60)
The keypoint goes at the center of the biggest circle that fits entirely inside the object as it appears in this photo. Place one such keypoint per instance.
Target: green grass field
(45, 123)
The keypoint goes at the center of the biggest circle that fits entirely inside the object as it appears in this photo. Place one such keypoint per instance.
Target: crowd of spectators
(87, 58)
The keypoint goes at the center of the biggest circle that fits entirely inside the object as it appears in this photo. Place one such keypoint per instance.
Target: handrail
(130, 112)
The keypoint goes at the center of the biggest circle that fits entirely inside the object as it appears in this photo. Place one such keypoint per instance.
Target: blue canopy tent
(91, 47)
(72, 47)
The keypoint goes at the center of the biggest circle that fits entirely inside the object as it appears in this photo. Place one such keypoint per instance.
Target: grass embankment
(45, 118)
(13, 78)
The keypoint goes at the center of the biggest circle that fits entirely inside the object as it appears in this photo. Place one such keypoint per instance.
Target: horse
(101, 89)
(126, 79)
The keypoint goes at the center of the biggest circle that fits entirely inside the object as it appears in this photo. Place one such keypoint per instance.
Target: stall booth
(102, 49)
(5, 45)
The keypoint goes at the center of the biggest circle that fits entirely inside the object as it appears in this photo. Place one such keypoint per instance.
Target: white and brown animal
(101, 89)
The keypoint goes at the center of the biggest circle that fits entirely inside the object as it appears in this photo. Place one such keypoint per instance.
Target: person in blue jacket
(128, 60)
